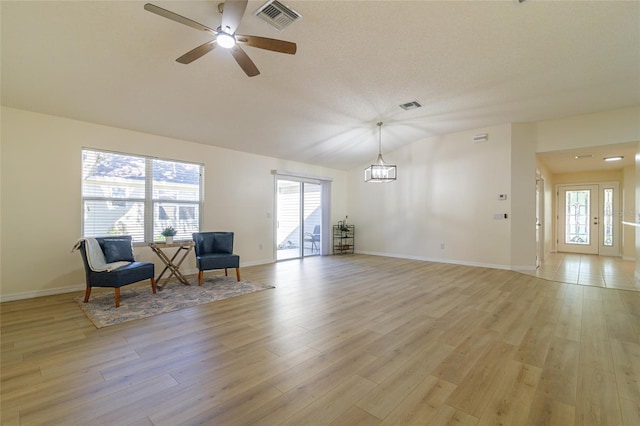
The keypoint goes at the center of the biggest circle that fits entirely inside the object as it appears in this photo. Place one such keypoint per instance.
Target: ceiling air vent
(410, 105)
(277, 14)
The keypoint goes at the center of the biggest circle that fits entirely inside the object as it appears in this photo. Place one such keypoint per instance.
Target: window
(139, 196)
(607, 217)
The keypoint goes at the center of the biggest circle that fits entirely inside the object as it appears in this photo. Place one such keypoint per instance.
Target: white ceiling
(471, 64)
(587, 159)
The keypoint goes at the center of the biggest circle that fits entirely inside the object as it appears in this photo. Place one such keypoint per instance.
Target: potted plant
(342, 225)
(169, 233)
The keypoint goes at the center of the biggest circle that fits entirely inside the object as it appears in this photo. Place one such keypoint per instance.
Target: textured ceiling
(471, 64)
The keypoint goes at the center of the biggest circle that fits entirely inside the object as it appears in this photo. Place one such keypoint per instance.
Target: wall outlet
(441, 246)
(502, 197)
(498, 216)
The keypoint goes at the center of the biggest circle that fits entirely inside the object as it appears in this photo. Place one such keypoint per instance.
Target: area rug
(139, 302)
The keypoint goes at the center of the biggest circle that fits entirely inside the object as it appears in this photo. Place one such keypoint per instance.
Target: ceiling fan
(225, 36)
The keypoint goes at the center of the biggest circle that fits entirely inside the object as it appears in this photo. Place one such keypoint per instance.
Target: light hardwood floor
(341, 340)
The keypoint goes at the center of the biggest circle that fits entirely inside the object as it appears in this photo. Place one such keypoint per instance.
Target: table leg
(171, 265)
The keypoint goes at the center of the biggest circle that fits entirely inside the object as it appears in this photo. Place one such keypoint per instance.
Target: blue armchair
(116, 249)
(214, 250)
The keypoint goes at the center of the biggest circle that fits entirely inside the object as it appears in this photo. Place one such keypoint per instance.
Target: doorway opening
(539, 220)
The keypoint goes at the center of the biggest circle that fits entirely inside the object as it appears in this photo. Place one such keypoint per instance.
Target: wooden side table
(183, 247)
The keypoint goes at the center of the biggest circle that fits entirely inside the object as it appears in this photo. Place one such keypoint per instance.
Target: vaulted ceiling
(470, 64)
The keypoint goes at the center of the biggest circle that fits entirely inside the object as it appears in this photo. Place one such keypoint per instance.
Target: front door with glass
(586, 220)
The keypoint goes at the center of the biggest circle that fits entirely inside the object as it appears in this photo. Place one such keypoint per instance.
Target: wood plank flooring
(341, 340)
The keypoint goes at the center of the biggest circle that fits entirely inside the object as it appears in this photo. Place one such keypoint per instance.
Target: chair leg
(226, 274)
(153, 285)
(238, 273)
(117, 297)
(200, 277)
(87, 293)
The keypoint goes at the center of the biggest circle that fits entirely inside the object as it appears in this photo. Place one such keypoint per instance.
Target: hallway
(591, 270)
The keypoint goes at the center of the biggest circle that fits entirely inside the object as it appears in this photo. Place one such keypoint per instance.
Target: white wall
(447, 189)
(41, 206)
(446, 193)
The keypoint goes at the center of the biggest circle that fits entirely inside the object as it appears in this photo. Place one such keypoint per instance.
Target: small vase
(168, 240)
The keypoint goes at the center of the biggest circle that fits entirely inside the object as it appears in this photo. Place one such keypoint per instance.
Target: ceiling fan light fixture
(225, 40)
(380, 171)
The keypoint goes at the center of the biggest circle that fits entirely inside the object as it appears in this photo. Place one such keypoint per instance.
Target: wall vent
(277, 14)
(481, 138)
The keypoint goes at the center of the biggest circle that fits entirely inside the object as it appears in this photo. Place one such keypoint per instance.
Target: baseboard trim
(441, 260)
(523, 268)
(41, 293)
(81, 287)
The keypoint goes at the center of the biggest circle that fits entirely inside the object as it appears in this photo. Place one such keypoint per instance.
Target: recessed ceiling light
(614, 158)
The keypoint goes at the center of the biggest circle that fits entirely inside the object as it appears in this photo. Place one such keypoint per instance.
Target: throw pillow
(117, 250)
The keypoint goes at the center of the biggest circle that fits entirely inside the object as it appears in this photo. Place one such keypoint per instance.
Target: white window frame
(149, 202)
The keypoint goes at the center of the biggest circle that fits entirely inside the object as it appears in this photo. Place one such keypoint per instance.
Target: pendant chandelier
(380, 171)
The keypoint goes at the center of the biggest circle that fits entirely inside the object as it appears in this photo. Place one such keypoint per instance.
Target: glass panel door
(610, 220)
(311, 219)
(288, 202)
(578, 219)
(587, 219)
(298, 219)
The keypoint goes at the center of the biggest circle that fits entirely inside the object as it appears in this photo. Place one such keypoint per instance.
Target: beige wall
(42, 208)
(523, 200)
(602, 128)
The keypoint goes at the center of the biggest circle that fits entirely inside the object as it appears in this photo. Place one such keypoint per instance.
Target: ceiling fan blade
(232, 15)
(244, 61)
(178, 18)
(197, 53)
(267, 43)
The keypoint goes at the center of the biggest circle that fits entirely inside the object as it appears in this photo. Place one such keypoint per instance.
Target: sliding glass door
(298, 218)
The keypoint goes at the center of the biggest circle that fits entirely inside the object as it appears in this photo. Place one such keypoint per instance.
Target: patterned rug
(139, 302)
